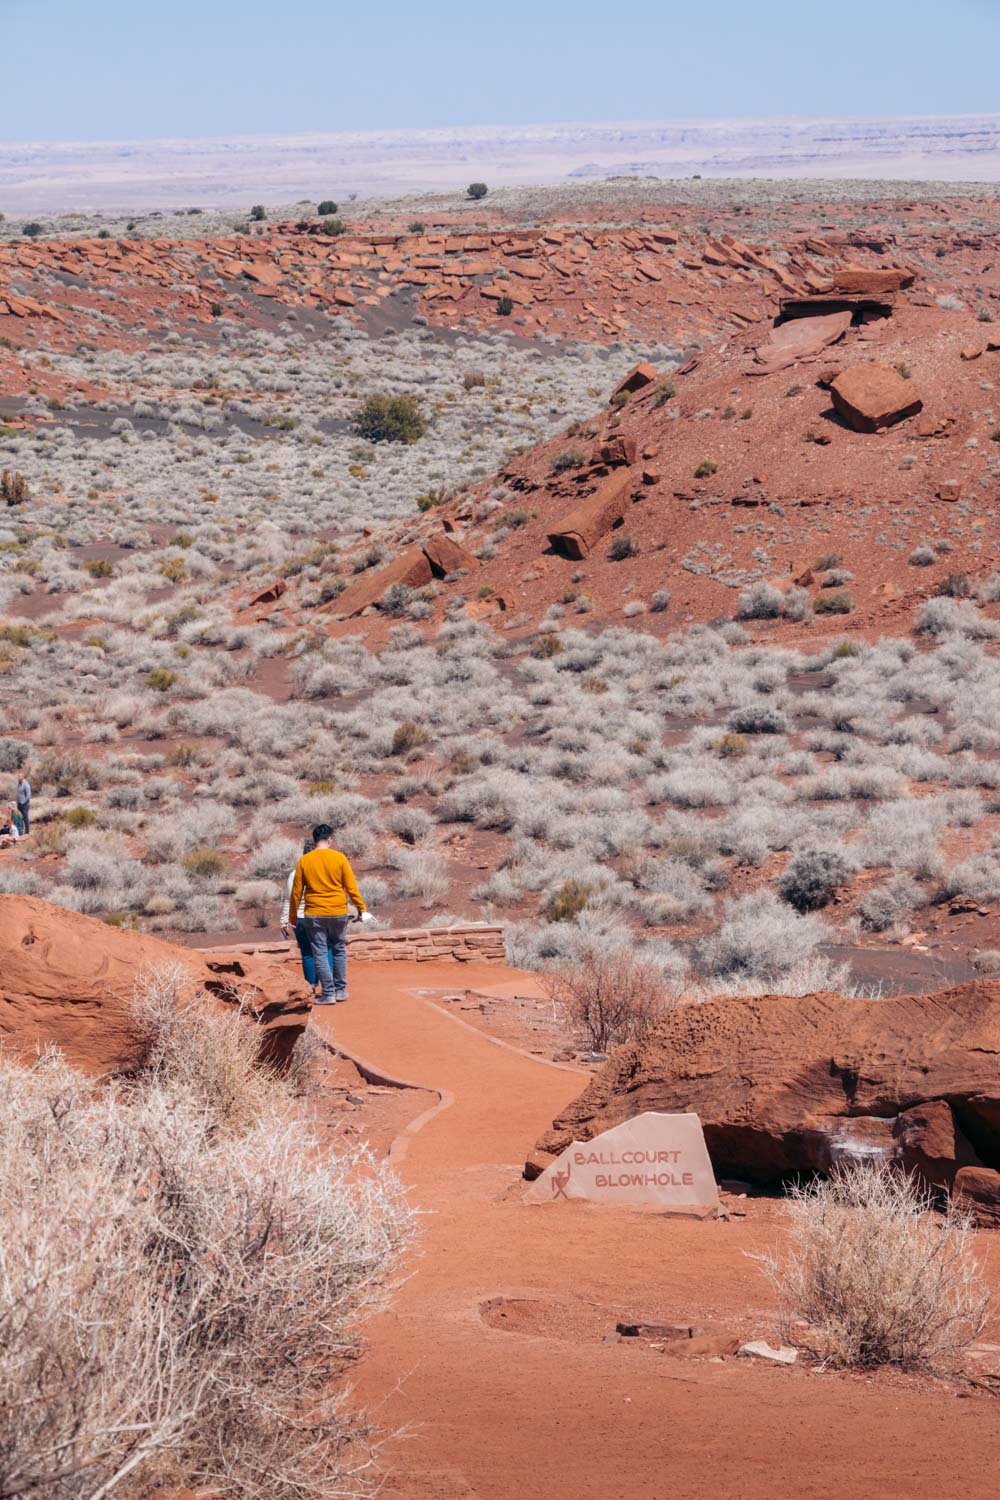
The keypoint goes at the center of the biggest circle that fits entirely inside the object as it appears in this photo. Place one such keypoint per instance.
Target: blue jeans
(308, 962)
(24, 808)
(329, 953)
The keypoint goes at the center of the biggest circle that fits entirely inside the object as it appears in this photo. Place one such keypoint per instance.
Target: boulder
(977, 1189)
(799, 338)
(787, 1084)
(635, 380)
(411, 569)
(861, 279)
(584, 527)
(65, 979)
(618, 450)
(870, 397)
(446, 556)
(270, 595)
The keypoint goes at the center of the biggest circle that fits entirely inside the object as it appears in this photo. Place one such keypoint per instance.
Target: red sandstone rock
(617, 450)
(977, 1189)
(635, 380)
(65, 979)
(411, 569)
(584, 527)
(870, 397)
(271, 594)
(798, 339)
(446, 556)
(785, 1084)
(860, 279)
(949, 489)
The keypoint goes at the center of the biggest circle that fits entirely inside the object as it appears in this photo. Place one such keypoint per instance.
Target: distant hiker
(8, 833)
(24, 801)
(301, 934)
(17, 820)
(324, 882)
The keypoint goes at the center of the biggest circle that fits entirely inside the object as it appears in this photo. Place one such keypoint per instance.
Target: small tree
(877, 1277)
(505, 306)
(326, 207)
(32, 230)
(477, 190)
(258, 212)
(612, 998)
(390, 419)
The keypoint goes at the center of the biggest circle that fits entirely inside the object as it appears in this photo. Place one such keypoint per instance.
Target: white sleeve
(288, 896)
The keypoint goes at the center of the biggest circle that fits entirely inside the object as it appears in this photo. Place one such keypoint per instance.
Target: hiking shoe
(342, 995)
(326, 999)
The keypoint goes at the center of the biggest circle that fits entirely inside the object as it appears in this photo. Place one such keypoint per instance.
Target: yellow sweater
(326, 878)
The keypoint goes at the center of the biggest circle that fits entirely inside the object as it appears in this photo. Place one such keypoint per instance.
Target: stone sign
(652, 1158)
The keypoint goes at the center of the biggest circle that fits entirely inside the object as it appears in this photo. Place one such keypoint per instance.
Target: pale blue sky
(120, 69)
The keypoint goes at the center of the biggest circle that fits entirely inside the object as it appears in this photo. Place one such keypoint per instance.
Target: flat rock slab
(870, 397)
(651, 1159)
(798, 339)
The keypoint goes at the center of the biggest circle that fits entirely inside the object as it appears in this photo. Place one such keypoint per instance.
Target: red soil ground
(492, 1355)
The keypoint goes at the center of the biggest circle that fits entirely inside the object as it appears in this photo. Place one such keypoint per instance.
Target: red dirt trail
(552, 1413)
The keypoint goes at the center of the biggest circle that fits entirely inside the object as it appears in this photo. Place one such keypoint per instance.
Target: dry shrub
(612, 997)
(179, 1296)
(878, 1276)
(212, 1057)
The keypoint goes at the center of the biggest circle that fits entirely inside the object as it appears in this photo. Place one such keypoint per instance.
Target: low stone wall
(420, 944)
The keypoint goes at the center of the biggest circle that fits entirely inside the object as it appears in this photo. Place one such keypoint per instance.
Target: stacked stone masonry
(420, 944)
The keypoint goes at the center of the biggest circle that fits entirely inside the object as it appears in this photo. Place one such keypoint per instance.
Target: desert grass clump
(876, 1276)
(611, 997)
(182, 1283)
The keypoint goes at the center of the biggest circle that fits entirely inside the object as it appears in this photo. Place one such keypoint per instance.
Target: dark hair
(321, 832)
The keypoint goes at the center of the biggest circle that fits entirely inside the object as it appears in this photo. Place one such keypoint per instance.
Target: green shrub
(417, 227)
(389, 419)
(258, 212)
(99, 567)
(326, 207)
(706, 469)
(569, 458)
(204, 862)
(408, 736)
(833, 604)
(955, 586)
(32, 230)
(665, 391)
(79, 817)
(505, 306)
(568, 901)
(477, 190)
(623, 546)
(547, 646)
(161, 678)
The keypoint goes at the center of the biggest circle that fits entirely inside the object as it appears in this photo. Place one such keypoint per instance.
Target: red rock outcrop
(869, 397)
(65, 980)
(584, 527)
(794, 1084)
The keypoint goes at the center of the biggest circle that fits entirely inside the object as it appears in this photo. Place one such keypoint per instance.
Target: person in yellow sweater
(325, 882)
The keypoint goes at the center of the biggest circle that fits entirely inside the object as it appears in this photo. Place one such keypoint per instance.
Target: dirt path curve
(545, 1411)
